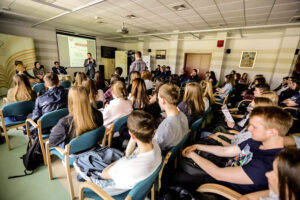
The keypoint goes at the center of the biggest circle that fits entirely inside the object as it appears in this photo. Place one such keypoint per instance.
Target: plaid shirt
(107, 96)
(138, 65)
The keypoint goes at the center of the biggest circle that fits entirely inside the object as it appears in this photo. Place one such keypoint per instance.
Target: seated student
(90, 87)
(119, 107)
(270, 95)
(227, 88)
(213, 79)
(168, 71)
(252, 158)
(21, 69)
(157, 71)
(175, 126)
(57, 69)
(182, 75)
(283, 181)
(119, 71)
(207, 90)
(133, 75)
(38, 71)
(80, 76)
(283, 85)
(175, 79)
(123, 174)
(194, 76)
(294, 86)
(138, 95)
(258, 90)
(146, 76)
(107, 95)
(258, 80)
(226, 139)
(193, 105)
(244, 79)
(99, 81)
(82, 118)
(21, 91)
(294, 101)
(163, 72)
(54, 99)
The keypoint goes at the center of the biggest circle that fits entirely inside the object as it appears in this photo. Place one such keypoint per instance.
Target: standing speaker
(228, 51)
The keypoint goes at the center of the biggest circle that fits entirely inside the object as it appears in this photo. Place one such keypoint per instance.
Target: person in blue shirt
(57, 69)
(251, 159)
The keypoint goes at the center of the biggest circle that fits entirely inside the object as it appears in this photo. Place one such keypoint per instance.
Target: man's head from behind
(141, 126)
(169, 94)
(51, 80)
(269, 122)
(260, 88)
(138, 54)
(118, 71)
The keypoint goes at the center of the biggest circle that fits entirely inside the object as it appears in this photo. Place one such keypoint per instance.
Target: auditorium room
(150, 99)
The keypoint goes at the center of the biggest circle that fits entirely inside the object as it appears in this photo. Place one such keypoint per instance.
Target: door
(199, 61)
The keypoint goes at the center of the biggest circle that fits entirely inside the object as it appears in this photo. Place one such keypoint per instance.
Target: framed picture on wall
(161, 54)
(248, 59)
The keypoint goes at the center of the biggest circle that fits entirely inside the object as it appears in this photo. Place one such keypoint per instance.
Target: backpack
(32, 158)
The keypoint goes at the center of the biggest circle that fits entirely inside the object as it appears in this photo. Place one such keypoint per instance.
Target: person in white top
(125, 173)
(146, 76)
(119, 107)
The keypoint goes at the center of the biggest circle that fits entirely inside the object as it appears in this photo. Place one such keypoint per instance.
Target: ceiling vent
(180, 7)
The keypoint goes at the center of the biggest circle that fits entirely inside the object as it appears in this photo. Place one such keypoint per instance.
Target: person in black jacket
(82, 118)
(54, 99)
(57, 69)
(194, 76)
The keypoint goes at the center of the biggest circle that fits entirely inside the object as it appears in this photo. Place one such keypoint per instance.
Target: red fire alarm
(220, 43)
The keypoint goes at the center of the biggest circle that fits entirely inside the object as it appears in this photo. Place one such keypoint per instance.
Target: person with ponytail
(82, 118)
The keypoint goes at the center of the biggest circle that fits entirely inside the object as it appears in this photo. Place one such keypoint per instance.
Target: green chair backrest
(206, 112)
(38, 87)
(65, 84)
(18, 108)
(176, 148)
(99, 104)
(119, 122)
(87, 140)
(50, 119)
(140, 191)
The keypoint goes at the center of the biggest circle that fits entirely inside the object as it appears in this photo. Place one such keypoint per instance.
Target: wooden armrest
(234, 131)
(30, 121)
(296, 134)
(237, 116)
(220, 190)
(291, 108)
(101, 193)
(60, 150)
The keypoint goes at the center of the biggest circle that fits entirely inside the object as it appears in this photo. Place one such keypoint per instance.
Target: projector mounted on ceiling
(123, 30)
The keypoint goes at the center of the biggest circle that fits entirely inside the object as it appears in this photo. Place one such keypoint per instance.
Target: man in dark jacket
(57, 69)
(54, 99)
(90, 65)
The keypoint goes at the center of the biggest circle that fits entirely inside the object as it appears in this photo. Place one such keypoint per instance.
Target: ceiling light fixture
(180, 7)
(131, 16)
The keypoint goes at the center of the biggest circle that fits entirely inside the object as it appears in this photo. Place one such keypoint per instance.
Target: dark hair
(139, 93)
(229, 79)
(89, 53)
(260, 80)
(168, 67)
(232, 72)
(195, 70)
(56, 62)
(119, 70)
(99, 80)
(285, 78)
(263, 87)
(36, 62)
(175, 79)
(139, 54)
(213, 76)
(288, 173)
(114, 78)
(17, 62)
(141, 125)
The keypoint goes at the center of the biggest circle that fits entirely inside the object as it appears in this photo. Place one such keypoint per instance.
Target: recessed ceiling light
(131, 16)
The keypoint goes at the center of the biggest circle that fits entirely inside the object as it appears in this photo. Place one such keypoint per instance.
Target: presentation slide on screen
(73, 50)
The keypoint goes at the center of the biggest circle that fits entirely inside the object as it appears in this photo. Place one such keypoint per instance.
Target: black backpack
(32, 158)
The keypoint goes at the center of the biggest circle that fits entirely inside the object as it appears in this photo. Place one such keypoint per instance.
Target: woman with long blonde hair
(192, 105)
(90, 86)
(138, 95)
(82, 118)
(133, 76)
(22, 90)
(272, 95)
(80, 76)
(207, 89)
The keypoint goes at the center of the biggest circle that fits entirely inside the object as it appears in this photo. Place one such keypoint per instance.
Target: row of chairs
(39, 86)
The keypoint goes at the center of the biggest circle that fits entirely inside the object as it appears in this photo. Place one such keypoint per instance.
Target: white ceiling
(152, 15)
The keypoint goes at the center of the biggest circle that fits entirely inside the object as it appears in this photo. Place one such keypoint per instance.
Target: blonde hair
(90, 87)
(169, 92)
(193, 98)
(146, 75)
(139, 93)
(119, 90)
(271, 95)
(263, 101)
(207, 90)
(81, 110)
(80, 76)
(22, 90)
(134, 75)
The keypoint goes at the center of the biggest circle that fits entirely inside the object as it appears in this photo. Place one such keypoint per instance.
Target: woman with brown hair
(227, 88)
(22, 90)
(80, 76)
(99, 81)
(89, 85)
(192, 105)
(284, 181)
(133, 76)
(138, 95)
(119, 107)
(146, 76)
(82, 118)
